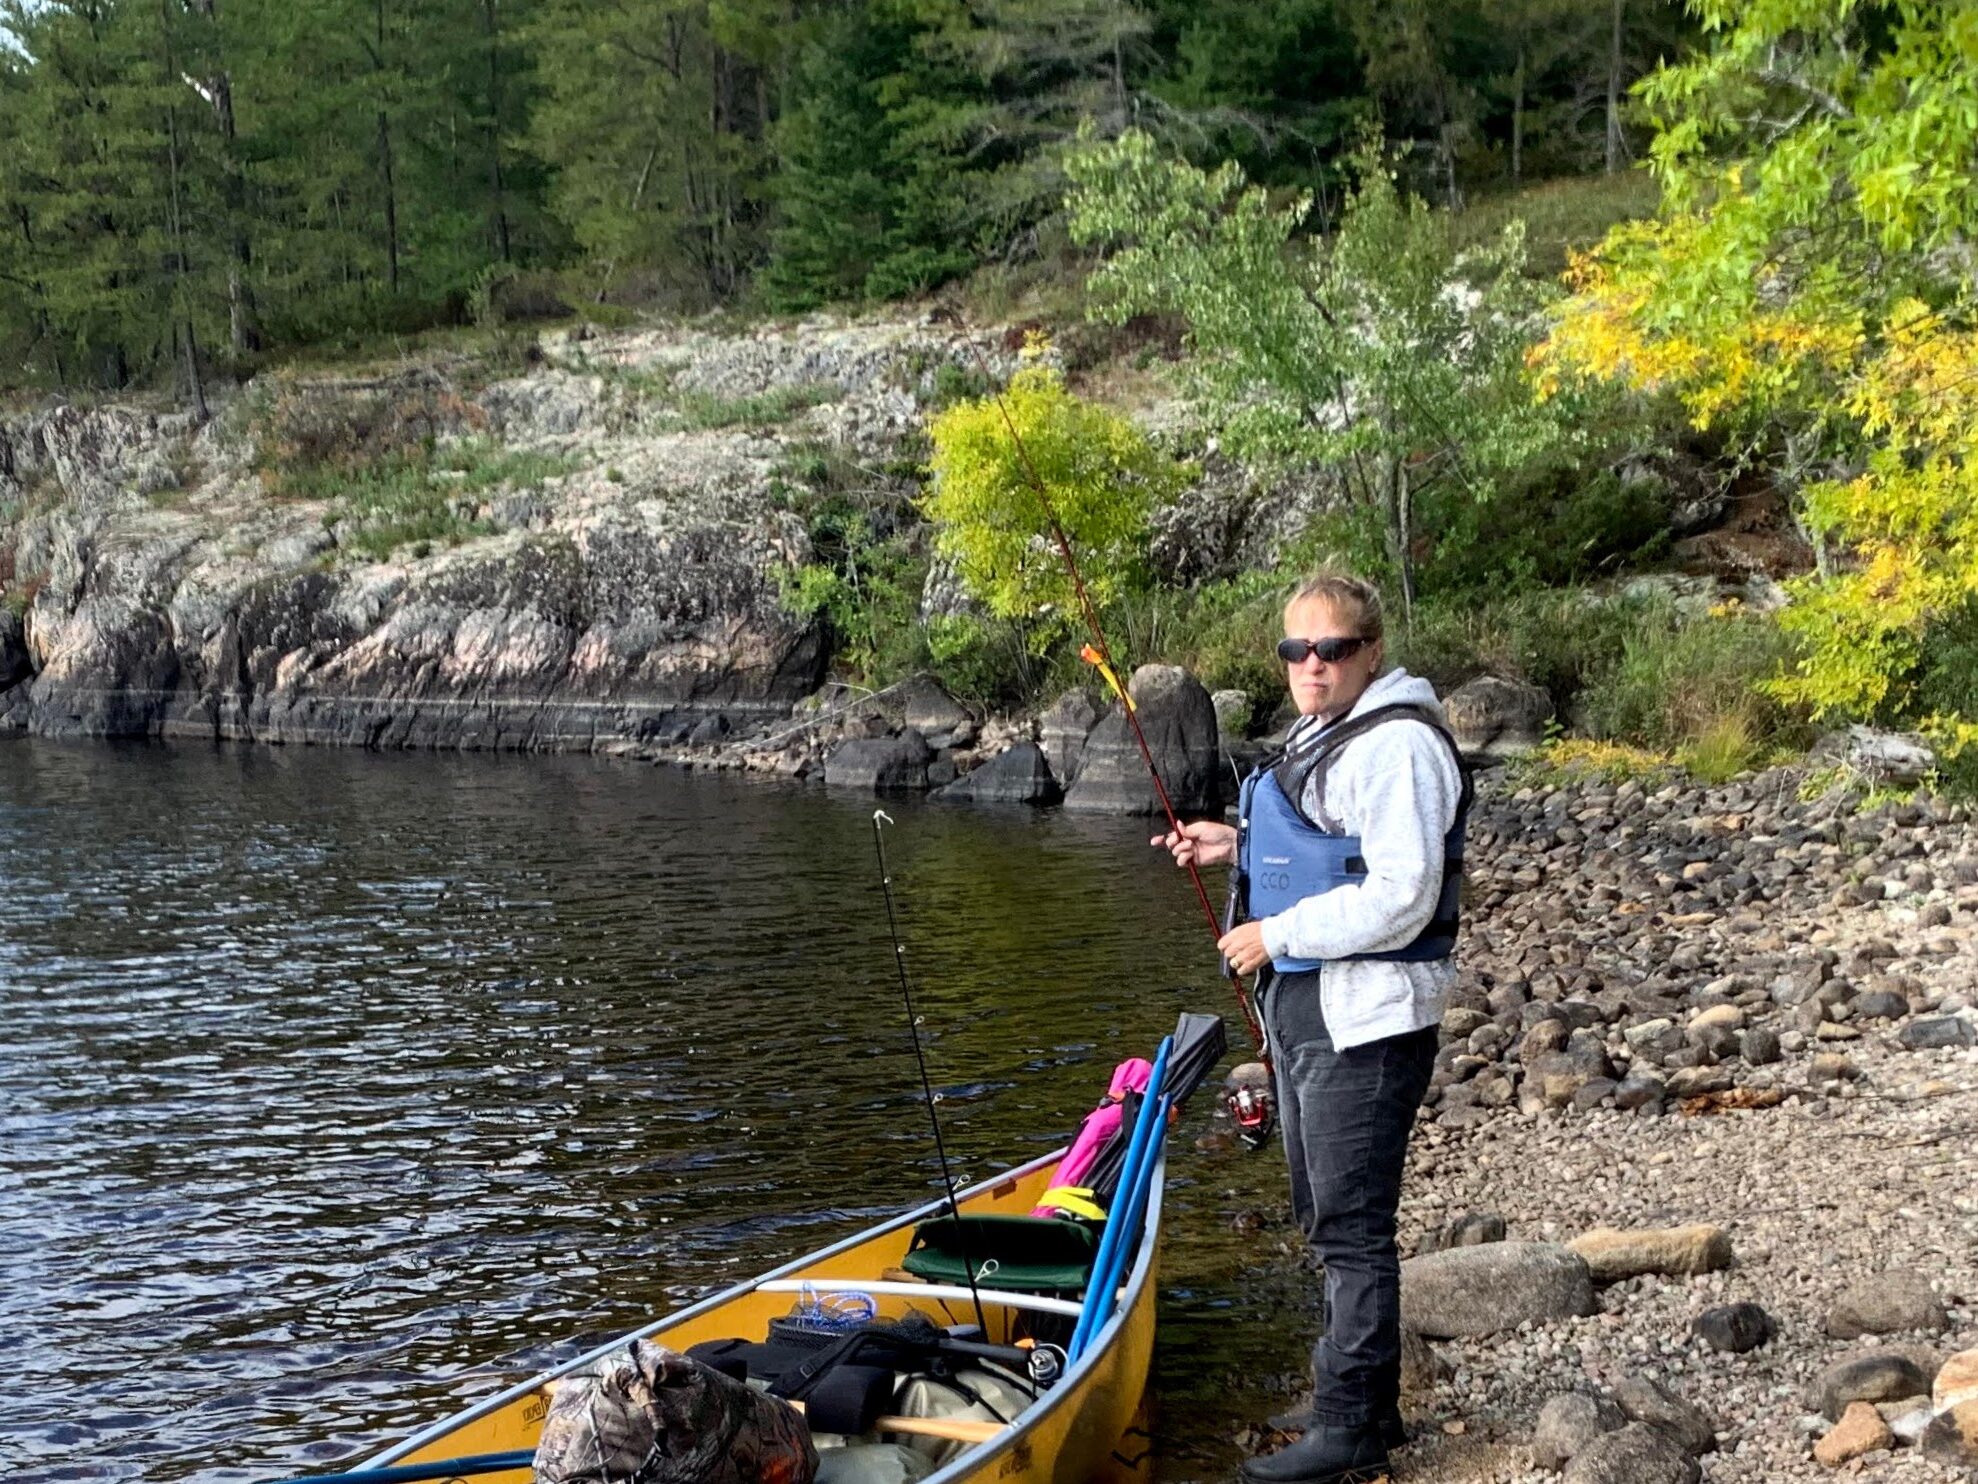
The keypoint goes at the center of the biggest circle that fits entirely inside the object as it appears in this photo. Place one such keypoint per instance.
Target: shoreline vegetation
(1678, 456)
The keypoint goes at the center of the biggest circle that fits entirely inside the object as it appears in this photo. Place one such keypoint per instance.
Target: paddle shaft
(445, 1468)
(1098, 1301)
(950, 1429)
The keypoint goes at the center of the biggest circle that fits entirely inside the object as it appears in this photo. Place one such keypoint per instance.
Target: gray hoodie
(1396, 787)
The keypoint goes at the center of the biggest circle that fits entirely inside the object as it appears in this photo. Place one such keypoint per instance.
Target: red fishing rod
(1249, 1096)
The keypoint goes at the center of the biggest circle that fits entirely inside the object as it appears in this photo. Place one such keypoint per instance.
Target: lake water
(338, 1089)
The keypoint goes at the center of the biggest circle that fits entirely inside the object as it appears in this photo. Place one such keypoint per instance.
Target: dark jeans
(1346, 1116)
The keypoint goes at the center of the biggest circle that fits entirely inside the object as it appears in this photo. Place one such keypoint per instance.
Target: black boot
(1393, 1431)
(1325, 1455)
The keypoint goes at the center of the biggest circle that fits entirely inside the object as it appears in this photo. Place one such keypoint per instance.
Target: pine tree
(850, 189)
(658, 124)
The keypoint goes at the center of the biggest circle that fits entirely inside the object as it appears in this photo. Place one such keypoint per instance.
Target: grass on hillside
(1559, 215)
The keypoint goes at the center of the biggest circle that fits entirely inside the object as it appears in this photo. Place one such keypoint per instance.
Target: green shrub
(1560, 641)
(1696, 687)
(413, 496)
(704, 411)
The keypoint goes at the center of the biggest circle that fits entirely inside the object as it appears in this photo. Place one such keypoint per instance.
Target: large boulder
(878, 764)
(1901, 759)
(1498, 1286)
(1669, 1414)
(1493, 717)
(1179, 721)
(1878, 1376)
(1567, 1423)
(1886, 1304)
(1635, 1454)
(1018, 776)
(1062, 730)
(921, 704)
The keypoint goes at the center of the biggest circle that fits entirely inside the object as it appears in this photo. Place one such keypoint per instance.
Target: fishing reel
(1252, 1103)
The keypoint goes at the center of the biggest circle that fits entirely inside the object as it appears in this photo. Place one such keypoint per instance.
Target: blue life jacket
(1283, 856)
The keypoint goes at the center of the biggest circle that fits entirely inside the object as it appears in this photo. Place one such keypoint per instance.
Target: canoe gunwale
(1068, 1386)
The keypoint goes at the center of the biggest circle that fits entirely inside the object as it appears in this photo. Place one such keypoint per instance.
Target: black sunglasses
(1332, 651)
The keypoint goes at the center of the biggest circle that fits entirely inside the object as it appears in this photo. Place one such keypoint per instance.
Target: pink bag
(1079, 1185)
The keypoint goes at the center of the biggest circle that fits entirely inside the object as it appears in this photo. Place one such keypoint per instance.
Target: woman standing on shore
(1350, 846)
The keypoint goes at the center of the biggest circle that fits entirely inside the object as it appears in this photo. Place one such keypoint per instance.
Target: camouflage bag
(645, 1415)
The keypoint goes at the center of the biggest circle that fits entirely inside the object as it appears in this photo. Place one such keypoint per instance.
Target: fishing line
(1099, 655)
(881, 817)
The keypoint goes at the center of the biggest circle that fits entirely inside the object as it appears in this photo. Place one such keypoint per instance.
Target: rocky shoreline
(588, 550)
(1692, 1196)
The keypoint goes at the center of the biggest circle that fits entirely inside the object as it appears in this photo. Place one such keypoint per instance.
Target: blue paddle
(407, 1473)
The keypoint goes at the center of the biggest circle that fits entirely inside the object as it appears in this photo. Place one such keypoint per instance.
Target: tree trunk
(1396, 513)
(1614, 140)
(243, 327)
(638, 194)
(385, 166)
(494, 130)
(182, 331)
(1518, 118)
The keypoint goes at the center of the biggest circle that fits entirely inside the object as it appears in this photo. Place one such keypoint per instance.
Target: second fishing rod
(1250, 1097)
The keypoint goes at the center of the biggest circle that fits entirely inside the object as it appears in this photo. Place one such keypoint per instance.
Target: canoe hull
(1077, 1432)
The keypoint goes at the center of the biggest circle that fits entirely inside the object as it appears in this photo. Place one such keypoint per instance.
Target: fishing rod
(1251, 1104)
(879, 818)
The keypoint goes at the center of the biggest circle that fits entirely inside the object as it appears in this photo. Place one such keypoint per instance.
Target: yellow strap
(1097, 661)
(1075, 1199)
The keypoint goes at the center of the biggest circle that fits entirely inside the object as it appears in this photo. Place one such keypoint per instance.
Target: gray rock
(1491, 717)
(1935, 1032)
(878, 765)
(1232, 711)
(1639, 1090)
(1881, 1004)
(1657, 1407)
(1593, 1093)
(1179, 722)
(1421, 1367)
(1886, 1304)
(924, 706)
(296, 550)
(1760, 1046)
(1471, 1229)
(1460, 1021)
(1691, 1082)
(1018, 776)
(1062, 730)
(709, 731)
(1498, 1286)
(1900, 758)
(1634, 1454)
(1654, 1038)
(1879, 1376)
(1734, 1328)
(1567, 1423)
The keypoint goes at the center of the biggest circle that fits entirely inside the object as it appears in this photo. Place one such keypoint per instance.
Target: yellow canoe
(1083, 1428)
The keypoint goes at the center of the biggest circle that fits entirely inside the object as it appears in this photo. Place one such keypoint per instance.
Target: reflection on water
(340, 1088)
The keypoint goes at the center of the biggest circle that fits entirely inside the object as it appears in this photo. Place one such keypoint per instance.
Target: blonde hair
(1351, 599)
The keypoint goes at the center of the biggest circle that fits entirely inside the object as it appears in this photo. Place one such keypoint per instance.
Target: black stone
(1936, 1032)
(1734, 1328)
(1018, 776)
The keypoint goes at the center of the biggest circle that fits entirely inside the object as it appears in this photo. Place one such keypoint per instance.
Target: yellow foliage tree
(1103, 477)
(1808, 283)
